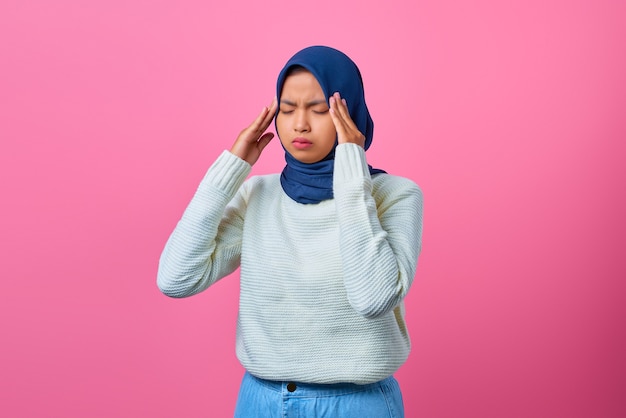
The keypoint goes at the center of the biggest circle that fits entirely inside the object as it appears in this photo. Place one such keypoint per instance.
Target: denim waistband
(300, 389)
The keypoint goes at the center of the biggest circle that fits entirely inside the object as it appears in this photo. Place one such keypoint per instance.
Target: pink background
(509, 114)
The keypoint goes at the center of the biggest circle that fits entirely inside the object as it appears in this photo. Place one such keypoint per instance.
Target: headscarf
(335, 71)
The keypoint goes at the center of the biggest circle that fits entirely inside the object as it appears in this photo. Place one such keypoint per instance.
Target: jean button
(291, 387)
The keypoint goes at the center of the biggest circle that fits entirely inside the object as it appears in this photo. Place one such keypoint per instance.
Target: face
(304, 125)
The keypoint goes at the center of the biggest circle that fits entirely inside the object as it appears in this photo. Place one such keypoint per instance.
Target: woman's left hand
(347, 131)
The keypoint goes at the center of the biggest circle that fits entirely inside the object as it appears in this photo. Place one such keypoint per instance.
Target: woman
(327, 249)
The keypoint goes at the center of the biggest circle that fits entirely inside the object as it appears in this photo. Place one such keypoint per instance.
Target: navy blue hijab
(335, 71)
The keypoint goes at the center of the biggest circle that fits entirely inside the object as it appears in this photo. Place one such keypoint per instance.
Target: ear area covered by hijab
(335, 72)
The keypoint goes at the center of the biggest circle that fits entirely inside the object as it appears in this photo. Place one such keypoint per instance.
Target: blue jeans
(260, 398)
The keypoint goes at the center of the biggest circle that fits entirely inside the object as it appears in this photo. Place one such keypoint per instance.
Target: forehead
(301, 83)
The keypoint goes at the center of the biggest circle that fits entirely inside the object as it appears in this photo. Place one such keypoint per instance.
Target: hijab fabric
(336, 72)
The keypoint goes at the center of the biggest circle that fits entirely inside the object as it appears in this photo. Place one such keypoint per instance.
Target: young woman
(327, 249)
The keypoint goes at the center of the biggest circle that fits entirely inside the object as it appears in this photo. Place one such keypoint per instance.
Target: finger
(267, 115)
(336, 117)
(271, 112)
(342, 105)
(260, 124)
(342, 114)
(262, 116)
(337, 108)
(274, 105)
(347, 131)
(264, 140)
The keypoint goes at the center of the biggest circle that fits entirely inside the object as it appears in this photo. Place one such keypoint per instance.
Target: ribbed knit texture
(322, 284)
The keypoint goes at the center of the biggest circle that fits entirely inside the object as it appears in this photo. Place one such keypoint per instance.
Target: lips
(301, 143)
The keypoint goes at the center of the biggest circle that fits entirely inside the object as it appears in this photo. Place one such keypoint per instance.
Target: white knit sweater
(322, 284)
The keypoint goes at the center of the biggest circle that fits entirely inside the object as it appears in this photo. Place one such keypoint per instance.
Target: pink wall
(509, 114)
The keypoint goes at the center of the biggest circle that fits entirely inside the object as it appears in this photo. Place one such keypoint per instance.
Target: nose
(301, 122)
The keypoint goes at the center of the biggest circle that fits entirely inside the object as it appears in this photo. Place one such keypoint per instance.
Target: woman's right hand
(252, 140)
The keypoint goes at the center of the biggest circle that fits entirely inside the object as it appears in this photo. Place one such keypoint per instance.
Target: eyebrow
(308, 104)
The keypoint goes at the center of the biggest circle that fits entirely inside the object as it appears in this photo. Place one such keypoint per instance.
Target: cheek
(330, 130)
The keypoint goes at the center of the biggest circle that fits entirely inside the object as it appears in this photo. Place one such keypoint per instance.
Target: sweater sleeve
(206, 243)
(380, 233)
